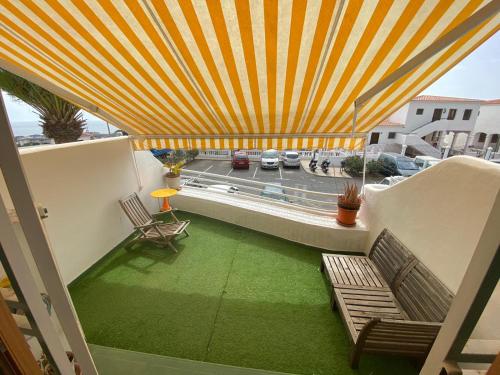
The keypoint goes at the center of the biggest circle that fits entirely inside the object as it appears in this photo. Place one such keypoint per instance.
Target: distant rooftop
(388, 122)
(433, 98)
(491, 102)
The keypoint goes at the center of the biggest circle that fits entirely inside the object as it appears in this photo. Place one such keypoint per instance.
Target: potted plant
(173, 176)
(348, 205)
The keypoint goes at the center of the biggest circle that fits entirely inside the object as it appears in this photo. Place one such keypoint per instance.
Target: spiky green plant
(350, 200)
(59, 119)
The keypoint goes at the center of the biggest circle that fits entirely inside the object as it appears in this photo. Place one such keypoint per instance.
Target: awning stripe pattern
(208, 70)
(280, 143)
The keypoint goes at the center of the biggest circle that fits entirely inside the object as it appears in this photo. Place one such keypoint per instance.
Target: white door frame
(22, 198)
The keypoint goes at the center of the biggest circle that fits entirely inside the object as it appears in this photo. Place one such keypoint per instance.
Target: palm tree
(59, 119)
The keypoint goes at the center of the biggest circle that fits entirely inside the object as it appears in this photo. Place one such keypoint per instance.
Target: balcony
(231, 296)
(245, 289)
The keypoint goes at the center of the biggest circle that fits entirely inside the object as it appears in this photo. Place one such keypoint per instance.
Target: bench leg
(355, 356)
(322, 267)
(333, 305)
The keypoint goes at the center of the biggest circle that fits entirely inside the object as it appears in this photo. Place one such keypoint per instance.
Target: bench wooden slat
(367, 278)
(368, 298)
(350, 277)
(389, 255)
(423, 296)
(333, 270)
(374, 273)
(390, 302)
(370, 314)
(341, 272)
(361, 302)
(360, 290)
(352, 270)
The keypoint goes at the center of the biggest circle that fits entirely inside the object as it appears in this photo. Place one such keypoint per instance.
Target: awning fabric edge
(248, 143)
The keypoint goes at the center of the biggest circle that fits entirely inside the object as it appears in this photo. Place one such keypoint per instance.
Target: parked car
(270, 159)
(240, 160)
(424, 162)
(290, 159)
(274, 192)
(218, 188)
(393, 180)
(223, 188)
(393, 164)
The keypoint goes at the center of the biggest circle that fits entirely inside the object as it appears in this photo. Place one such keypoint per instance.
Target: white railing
(214, 154)
(313, 201)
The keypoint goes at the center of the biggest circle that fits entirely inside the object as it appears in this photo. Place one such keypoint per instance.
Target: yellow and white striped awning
(235, 73)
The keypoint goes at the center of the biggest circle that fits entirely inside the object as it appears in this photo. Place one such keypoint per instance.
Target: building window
(494, 139)
(482, 137)
(374, 138)
(391, 135)
(420, 111)
(451, 114)
(467, 114)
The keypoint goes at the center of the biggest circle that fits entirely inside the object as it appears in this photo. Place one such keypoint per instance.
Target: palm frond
(59, 119)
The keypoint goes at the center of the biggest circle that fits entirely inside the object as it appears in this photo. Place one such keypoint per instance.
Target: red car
(240, 160)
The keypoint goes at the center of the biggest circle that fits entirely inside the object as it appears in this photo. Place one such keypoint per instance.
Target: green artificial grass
(231, 295)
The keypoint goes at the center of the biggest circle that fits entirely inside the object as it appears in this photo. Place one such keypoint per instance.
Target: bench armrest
(395, 336)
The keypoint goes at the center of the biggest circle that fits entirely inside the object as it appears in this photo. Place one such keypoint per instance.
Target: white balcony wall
(489, 119)
(384, 131)
(439, 214)
(400, 115)
(414, 121)
(80, 185)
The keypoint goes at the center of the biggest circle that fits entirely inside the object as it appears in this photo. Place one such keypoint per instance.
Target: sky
(477, 77)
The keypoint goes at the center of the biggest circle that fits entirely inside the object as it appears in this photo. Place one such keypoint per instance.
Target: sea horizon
(26, 128)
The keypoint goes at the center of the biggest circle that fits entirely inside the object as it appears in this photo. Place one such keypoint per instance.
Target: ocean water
(25, 128)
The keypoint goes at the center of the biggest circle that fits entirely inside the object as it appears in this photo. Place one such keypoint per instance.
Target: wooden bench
(390, 302)
(386, 259)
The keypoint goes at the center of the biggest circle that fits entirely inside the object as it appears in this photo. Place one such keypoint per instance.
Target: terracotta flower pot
(346, 217)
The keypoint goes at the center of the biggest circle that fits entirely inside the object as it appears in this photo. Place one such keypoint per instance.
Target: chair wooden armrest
(146, 226)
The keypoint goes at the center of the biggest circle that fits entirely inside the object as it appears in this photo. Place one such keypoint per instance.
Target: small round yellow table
(165, 194)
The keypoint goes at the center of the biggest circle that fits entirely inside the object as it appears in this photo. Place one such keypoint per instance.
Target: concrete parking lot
(287, 177)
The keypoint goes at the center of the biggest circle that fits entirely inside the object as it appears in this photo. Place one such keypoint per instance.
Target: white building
(440, 121)
(487, 129)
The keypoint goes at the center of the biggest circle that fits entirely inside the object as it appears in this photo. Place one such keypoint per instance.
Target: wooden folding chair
(150, 229)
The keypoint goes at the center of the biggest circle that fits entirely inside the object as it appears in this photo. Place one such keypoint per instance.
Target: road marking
(281, 176)
(228, 173)
(211, 165)
(255, 173)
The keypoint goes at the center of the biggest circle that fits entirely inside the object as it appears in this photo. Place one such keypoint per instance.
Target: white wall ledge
(52, 147)
(292, 224)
